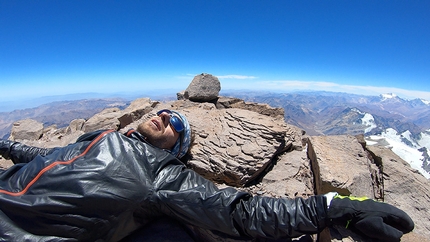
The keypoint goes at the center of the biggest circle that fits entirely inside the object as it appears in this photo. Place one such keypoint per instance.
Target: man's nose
(165, 117)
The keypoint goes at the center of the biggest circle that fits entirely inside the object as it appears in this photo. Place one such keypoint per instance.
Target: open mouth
(157, 124)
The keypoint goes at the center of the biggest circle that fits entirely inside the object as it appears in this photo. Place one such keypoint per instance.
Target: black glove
(5, 148)
(21, 153)
(373, 219)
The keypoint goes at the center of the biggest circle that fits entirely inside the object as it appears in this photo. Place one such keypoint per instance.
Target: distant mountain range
(388, 118)
(28, 103)
(328, 113)
(59, 113)
(402, 125)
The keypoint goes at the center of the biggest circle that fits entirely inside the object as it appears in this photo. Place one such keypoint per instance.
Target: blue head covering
(185, 138)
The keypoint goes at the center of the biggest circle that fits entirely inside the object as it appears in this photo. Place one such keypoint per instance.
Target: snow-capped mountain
(414, 149)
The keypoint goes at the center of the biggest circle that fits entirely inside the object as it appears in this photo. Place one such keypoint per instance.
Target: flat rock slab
(233, 146)
(290, 177)
(340, 164)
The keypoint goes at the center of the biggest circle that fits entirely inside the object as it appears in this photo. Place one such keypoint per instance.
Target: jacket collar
(136, 135)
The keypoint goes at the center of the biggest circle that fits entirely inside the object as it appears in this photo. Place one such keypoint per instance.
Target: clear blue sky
(60, 47)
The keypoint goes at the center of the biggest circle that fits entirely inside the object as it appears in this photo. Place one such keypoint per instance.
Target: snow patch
(388, 96)
(424, 141)
(356, 110)
(369, 121)
(391, 139)
(408, 136)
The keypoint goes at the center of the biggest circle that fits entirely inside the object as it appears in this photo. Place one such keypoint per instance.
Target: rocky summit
(251, 147)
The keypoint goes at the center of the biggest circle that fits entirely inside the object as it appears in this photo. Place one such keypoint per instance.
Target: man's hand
(5, 148)
(374, 219)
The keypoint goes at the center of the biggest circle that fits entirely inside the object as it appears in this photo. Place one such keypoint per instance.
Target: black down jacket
(107, 185)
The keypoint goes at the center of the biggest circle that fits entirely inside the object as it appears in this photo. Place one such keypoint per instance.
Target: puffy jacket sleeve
(21, 153)
(185, 195)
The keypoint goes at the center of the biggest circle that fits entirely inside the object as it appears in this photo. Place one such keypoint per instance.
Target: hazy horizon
(8, 106)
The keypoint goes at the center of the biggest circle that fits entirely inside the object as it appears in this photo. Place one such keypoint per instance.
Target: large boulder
(106, 119)
(203, 88)
(27, 129)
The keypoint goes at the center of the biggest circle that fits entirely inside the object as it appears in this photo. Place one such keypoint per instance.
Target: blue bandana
(185, 136)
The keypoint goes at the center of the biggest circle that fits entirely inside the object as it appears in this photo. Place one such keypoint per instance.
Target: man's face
(159, 132)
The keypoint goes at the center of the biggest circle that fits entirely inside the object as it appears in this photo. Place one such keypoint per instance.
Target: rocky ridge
(249, 146)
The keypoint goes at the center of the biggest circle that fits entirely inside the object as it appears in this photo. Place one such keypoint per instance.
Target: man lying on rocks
(108, 184)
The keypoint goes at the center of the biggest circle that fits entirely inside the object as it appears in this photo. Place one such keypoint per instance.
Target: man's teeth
(156, 124)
